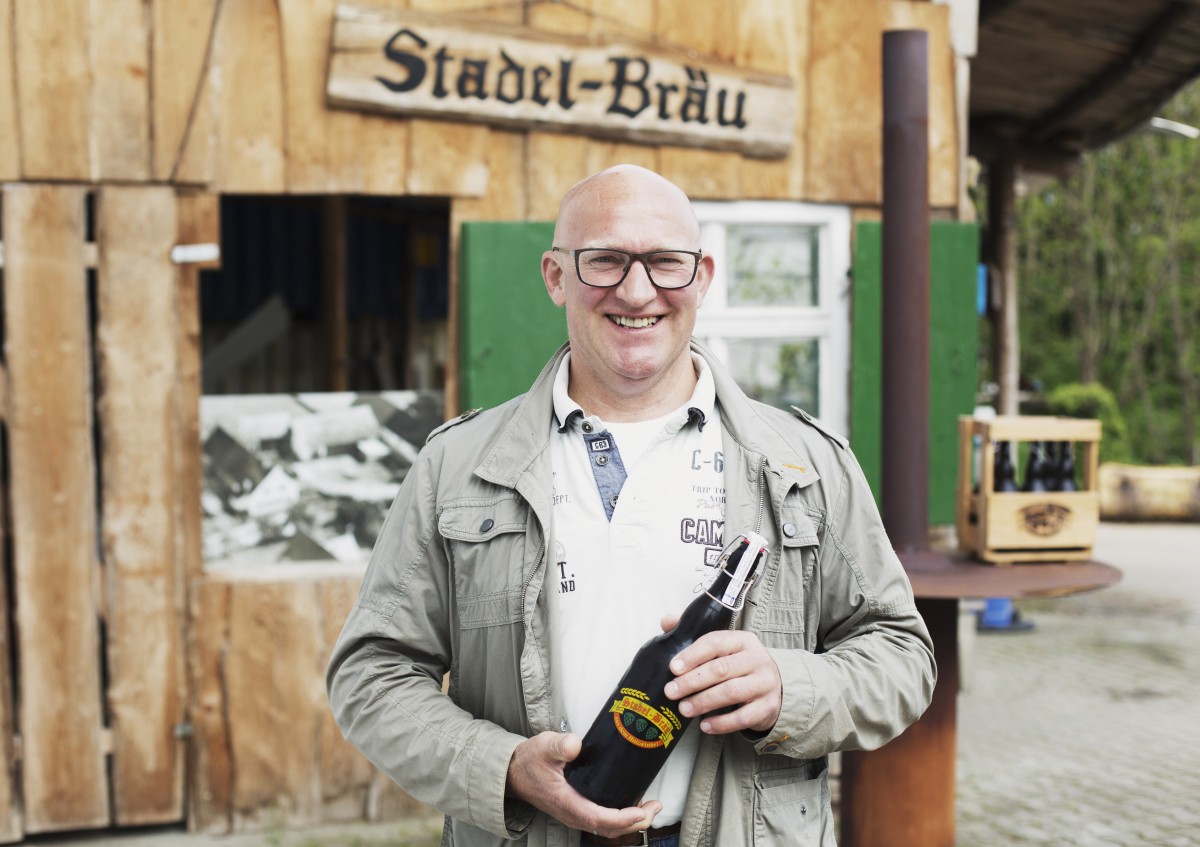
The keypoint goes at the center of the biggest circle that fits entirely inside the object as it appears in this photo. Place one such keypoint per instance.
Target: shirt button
(486, 525)
(563, 726)
(789, 529)
(587, 427)
(602, 460)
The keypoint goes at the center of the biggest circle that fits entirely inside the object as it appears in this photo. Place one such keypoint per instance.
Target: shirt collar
(698, 408)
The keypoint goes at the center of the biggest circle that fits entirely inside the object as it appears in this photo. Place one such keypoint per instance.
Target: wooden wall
(159, 91)
(159, 106)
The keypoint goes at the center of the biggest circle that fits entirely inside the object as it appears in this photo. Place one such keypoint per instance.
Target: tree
(1110, 283)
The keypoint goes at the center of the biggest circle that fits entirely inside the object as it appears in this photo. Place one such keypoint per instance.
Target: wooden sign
(413, 63)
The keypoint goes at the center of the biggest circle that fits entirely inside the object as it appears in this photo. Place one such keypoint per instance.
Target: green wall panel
(953, 341)
(508, 326)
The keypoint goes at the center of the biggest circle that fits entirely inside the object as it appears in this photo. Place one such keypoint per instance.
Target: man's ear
(552, 275)
(704, 275)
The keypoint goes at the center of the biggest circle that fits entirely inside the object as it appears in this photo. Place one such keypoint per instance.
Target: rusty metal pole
(906, 288)
(903, 794)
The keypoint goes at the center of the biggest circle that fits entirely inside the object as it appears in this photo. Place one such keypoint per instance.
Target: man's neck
(643, 401)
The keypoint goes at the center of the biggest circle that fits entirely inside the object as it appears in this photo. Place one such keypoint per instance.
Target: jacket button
(613, 500)
(487, 524)
(789, 529)
(771, 748)
(602, 460)
(587, 427)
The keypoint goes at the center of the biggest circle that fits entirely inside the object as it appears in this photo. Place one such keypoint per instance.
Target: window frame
(827, 323)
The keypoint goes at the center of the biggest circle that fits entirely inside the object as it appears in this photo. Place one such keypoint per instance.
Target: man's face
(633, 337)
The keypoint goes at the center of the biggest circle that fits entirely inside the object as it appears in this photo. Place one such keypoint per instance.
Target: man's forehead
(624, 195)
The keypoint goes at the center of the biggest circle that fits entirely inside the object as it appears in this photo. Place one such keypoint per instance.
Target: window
(777, 312)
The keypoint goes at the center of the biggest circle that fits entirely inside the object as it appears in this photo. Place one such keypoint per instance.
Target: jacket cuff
(489, 806)
(796, 710)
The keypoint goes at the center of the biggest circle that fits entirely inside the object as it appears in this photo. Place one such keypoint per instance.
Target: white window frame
(827, 323)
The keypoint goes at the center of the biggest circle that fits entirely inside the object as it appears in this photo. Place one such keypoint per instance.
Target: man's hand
(730, 668)
(535, 775)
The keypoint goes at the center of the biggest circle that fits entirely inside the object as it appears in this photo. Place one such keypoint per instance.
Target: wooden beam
(137, 407)
(10, 139)
(120, 108)
(1002, 223)
(11, 829)
(52, 486)
(334, 270)
(53, 72)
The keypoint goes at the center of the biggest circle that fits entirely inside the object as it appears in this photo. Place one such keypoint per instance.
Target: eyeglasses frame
(633, 257)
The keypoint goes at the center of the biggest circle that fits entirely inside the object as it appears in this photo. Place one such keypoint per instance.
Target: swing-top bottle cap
(743, 573)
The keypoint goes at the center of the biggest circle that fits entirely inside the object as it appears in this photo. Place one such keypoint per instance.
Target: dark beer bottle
(1005, 477)
(1066, 467)
(639, 726)
(1036, 470)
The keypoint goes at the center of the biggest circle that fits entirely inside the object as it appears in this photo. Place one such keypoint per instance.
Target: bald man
(534, 547)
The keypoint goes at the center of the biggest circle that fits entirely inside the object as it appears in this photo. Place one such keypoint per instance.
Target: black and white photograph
(305, 477)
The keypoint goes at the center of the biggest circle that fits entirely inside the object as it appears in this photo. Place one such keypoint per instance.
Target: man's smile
(634, 323)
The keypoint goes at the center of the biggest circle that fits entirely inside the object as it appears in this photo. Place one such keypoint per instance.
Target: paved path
(1086, 731)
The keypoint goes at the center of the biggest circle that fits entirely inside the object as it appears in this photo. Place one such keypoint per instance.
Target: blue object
(981, 289)
(997, 612)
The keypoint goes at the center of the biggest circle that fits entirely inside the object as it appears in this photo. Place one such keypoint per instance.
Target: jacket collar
(527, 435)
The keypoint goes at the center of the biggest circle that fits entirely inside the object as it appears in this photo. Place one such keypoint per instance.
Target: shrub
(1092, 400)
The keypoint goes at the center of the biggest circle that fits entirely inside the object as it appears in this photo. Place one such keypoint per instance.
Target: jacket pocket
(791, 810)
(485, 541)
(780, 617)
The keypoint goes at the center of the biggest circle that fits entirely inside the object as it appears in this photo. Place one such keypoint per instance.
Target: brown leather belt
(632, 839)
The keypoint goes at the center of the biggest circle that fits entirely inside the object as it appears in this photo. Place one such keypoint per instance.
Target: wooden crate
(1019, 526)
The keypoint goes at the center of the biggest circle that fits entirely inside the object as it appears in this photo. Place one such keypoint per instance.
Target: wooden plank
(11, 828)
(773, 37)
(556, 163)
(136, 311)
(560, 81)
(53, 96)
(943, 112)
(250, 115)
(845, 103)
(120, 131)
(53, 508)
(180, 34)
(273, 667)
(10, 148)
(703, 28)
(447, 159)
(198, 221)
(210, 782)
(345, 774)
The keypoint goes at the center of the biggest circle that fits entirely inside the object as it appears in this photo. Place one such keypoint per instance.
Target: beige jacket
(457, 583)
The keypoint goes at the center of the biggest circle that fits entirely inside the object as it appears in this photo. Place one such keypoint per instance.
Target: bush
(1092, 400)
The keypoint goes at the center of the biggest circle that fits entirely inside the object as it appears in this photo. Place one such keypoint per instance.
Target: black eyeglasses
(604, 267)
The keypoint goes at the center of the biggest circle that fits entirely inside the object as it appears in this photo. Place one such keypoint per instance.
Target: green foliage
(1109, 266)
(1092, 400)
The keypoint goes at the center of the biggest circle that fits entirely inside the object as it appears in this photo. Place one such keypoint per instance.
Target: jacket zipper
(758, 523)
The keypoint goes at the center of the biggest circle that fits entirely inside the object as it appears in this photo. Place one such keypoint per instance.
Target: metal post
(906, 288)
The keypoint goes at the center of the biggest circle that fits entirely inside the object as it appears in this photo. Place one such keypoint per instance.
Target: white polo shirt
(623, 562)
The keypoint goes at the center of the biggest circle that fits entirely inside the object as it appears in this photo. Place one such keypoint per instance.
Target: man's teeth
(633, 323)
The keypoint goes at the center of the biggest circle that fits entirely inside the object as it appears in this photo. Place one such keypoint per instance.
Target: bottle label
(641, 724)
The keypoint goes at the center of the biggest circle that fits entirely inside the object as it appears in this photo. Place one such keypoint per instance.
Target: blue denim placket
(607, 467)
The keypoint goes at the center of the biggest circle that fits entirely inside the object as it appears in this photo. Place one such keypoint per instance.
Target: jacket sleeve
(385, 675)
(872, 673)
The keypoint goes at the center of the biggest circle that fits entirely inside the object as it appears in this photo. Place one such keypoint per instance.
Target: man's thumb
(566, 746)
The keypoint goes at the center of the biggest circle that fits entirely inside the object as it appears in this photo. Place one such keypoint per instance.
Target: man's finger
(565, 746)
(708, 647)
(669, 622)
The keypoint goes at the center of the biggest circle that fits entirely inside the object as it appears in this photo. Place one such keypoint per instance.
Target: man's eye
(666, 262)
(604, 260)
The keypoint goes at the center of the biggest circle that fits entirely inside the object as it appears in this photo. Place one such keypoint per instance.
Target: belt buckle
(645, 842)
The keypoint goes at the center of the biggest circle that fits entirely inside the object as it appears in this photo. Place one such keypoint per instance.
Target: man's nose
(636, 288)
